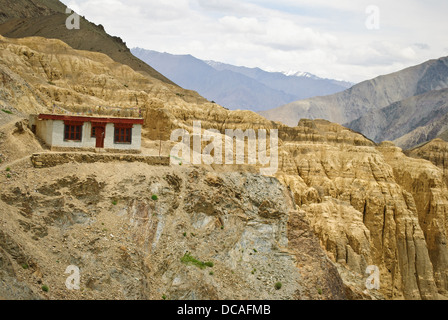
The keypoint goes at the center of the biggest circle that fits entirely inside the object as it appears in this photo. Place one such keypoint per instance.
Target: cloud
(327, 38)
(421, 46)
(242, 25)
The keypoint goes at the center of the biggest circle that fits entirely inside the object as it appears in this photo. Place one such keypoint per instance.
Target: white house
(68, 132)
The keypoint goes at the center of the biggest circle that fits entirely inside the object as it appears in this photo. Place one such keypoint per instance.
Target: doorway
(100, 133)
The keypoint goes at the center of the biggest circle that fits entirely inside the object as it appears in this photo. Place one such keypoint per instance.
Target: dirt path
(3, 166)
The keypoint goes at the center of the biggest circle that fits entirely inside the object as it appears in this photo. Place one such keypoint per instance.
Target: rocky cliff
(47, 18)
(409, 122)
(338, 203)
(38, 73)
(130, 246)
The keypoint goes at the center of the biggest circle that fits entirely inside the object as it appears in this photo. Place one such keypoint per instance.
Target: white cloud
(324, 37)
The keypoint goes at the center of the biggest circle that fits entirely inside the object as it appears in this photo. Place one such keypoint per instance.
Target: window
(123, 135)
(72, 132)
(93, 135)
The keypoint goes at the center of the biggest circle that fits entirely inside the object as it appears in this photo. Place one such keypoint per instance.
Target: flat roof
(62, 117)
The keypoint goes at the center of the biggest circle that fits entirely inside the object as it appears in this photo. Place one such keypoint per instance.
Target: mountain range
(409, 102)
(238, 87)
(338, 203)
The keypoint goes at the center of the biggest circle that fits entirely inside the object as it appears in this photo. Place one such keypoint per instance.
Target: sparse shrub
(8, 169)
(189, 259)
(278, 285)
(25, 266)
(6, 111)
(45, 288)
(255, 250)
(164, 297)
(8, 176)
(222, 227)
(185, 234)
(114, 202)
(211, 273)
(319, 291)
(253, 271)
(155, 197)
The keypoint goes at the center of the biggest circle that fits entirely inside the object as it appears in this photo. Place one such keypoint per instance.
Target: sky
(344, 39)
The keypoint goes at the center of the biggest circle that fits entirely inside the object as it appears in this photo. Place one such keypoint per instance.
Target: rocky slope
(37, 73)
(435, 151)
(409, 122)
(367, 96)
(47, 18)
(371, 205)
(129, 246)
(338, 203)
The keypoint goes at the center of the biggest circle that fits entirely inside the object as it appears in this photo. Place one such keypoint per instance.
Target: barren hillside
(338, 203)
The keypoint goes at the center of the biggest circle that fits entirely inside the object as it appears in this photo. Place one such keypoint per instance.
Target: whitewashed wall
(52, 132)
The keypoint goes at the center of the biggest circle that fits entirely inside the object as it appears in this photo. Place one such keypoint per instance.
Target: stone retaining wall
(52, 159)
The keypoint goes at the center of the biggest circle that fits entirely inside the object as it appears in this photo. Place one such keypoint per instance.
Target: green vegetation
(188, 259)
(211, 273)
(255, 250)
(25, 266)
(45, 288)
(155, 197)
(51, 83)
(8, 176)
(185, 234)
(115, 202)
(253, 271)
(8, 169)
(164, 297)
(6, 111)
(319, 291)
(278, 285)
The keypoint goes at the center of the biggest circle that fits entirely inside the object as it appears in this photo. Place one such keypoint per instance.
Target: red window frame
(123, 133)
(72, 131)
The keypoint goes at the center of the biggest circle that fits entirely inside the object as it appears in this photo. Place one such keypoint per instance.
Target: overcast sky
(331, 39)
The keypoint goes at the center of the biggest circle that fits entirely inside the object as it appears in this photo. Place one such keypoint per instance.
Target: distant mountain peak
(238, 87)
(294, 73)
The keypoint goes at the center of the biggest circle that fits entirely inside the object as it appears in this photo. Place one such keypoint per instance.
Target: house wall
(44, 129)
(136, 138)
(52, 133)
(58, 136)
